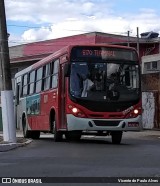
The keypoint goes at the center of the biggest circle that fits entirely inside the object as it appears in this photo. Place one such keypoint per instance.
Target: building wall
(16, 51)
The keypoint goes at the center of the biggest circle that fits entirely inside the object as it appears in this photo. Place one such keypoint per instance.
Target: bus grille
(106, 123)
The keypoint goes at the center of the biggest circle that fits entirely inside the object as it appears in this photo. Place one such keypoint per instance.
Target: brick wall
(151, 82)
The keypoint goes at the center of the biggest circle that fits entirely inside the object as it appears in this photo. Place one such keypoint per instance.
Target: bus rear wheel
(116, 137)
(26, 132)
(34, 134)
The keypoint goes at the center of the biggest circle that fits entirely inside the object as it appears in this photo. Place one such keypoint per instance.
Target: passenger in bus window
(87, 85)
(78, 75)
(75, 85)
(113, 84)
(99, 80)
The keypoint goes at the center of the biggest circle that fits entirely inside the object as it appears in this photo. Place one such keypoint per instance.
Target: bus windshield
(105, 81)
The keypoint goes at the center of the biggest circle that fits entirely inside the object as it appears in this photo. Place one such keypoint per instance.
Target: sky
(38, 20)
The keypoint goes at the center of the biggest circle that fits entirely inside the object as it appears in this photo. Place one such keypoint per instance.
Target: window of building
(54, 74)
(39, 80)
(151, 65)
(154, 65)
(31, 82)
(148, 65)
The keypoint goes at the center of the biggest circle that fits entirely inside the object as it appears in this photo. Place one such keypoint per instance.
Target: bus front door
(17, 106)
(63, 98)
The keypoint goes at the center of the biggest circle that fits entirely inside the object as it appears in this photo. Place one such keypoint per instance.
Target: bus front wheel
(116, 137)
(57, 134)
(73, 135)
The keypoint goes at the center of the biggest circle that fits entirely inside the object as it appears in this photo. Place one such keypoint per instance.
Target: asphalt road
(137, 156)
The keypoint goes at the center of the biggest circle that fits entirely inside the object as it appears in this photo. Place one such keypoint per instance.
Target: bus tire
(26, 132)
(35, 134)
(73, 135)
(53, 127)
(116, 137)
(57, 134)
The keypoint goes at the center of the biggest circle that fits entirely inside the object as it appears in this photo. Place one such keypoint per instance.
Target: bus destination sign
(104, 53)
(98, 53)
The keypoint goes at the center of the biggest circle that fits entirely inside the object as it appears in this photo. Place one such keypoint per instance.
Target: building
(151, 88)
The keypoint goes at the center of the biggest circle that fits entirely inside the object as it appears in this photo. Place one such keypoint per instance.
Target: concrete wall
(150, 113)
(151, 99)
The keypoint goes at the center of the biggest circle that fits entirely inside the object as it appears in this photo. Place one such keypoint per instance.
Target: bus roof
(63, 51)
(42, 61)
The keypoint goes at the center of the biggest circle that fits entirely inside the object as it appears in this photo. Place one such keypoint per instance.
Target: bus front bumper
(90, 124)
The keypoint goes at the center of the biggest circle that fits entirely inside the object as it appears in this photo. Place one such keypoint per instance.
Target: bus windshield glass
(105, 81)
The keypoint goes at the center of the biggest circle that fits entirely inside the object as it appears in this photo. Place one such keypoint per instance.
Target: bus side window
(25, 85)
(46, 76)
(54, 74)
(39, 80)
(31, 82)
(17, 91)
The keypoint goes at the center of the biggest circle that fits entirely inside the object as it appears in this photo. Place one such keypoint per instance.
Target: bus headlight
(136, 111)
(74, 110)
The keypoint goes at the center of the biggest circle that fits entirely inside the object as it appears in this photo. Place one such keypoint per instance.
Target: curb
(10, 146)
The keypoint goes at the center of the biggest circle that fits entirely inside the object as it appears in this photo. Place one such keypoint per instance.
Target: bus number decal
(128, 110)
(45, 98)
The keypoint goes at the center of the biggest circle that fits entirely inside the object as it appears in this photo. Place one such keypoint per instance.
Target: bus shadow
(84, 140)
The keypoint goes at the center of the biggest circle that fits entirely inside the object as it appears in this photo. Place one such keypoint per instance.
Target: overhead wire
(50, 41)
(23, 26)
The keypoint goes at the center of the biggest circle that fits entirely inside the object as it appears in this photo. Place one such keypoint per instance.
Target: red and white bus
(81, 89)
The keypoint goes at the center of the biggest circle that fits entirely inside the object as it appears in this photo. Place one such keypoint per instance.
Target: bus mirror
(66, 70)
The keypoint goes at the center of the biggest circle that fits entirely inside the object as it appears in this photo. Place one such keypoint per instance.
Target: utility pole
(9, 126)
(128, 35)
(138, 40)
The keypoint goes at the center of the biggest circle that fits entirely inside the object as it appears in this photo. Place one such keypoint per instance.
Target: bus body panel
(35, 118)
(39, 111)
(48, 102)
